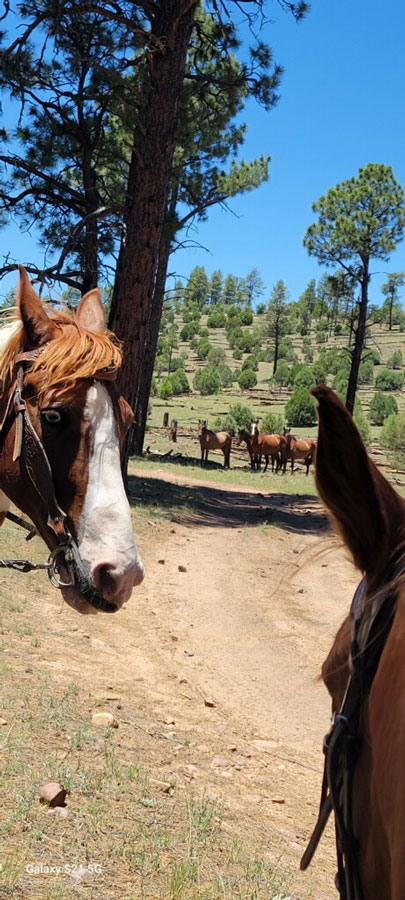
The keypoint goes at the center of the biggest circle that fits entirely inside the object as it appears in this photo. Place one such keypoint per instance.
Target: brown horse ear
(90, 312)
(369, 513)
(38, 327)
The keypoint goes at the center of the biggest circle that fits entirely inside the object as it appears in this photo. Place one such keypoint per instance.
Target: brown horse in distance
(274, 445)
(300, 449)
(371, 518)
(214, 440)
(245, 437)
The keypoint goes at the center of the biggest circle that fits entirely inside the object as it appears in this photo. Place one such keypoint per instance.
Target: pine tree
(358, 220)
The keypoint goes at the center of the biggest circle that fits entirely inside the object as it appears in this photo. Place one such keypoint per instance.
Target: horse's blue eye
(52, 416)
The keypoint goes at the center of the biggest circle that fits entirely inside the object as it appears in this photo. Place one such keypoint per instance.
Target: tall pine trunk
(359, 338)
(133, 315)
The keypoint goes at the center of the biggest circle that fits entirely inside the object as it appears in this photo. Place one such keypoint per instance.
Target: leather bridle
(370, 626)
(29, 449)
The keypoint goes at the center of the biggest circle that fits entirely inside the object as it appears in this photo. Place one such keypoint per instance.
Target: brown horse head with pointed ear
(370, 515)
(70, 400)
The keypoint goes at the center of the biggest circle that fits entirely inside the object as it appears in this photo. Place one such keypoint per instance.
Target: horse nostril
(104, 579)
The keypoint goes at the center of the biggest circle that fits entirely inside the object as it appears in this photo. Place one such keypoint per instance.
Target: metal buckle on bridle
(62, 557)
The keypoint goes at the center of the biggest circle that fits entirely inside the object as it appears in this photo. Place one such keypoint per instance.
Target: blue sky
(341, 106)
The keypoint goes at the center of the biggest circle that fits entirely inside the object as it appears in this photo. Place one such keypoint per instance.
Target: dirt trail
(244, 625)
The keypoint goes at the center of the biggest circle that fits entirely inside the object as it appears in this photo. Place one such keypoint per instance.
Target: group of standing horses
(62, 428)
(280, 448)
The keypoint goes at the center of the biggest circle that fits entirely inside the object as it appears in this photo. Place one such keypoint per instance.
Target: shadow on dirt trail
(215, 507)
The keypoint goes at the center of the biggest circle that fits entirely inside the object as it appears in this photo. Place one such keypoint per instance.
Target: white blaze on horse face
(105, 533)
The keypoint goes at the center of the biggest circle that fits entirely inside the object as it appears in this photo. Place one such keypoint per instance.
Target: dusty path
(228, 649)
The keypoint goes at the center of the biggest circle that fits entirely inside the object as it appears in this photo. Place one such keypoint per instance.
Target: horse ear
(369, 513)
(90, 312)
(38, 327)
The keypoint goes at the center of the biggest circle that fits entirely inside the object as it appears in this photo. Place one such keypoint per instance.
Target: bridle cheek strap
(29, 447)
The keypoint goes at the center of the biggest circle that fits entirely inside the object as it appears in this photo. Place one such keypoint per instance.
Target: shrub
(272, 423)
(300, 408)
(165, 388)
(242, 415)
(395, 361)
(389, 380)
(226, 423)
(226, 375)
(286, 349)
(304, 377)
(176, 362)
(247, 341)
(233, 335)
(237, 353)
(361, 422)
(392, 434)
(216, 356)
(216, 319)
(154, 390)
(282, 373)
(189, 331)
(340, 382)
(246, 317)
(319, 373)
(179, 382)
(207, 380)
(250, 363)
(382, 406)
(247, 379)
(366, 372)
(260, 309)
(203, 348)
(372, 355)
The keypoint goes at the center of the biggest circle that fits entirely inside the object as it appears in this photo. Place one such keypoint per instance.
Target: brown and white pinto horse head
(81, 420)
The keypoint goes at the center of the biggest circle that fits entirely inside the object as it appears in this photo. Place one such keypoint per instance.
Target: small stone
(203, 748)
(219, 761)
(104, 720)
(164, 786)
(169, 720)
(277, 800)
(74, 628)
(226, 773)
(161, 562)
(29, 670)
(3, 721)
(232, 748)
(85, 635)
(61, 811)
(182, 568)
(52, 793)
(188, 653)
(208, 701)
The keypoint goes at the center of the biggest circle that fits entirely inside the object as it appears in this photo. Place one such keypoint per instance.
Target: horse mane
(75, 353)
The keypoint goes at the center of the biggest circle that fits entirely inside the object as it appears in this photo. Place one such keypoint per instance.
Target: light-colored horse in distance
(274, 445)
(214, 440)
(304, 450)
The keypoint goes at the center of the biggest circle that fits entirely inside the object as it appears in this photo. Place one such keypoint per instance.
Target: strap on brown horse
(371, 624)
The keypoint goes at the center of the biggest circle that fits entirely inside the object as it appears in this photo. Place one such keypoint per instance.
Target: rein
(29, 448)
(370, 626)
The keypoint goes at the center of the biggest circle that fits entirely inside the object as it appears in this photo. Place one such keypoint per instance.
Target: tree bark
(133, 314)
(359, 338)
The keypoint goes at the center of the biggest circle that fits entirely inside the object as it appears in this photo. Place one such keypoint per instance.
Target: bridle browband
(29, 449)
(370, 626)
